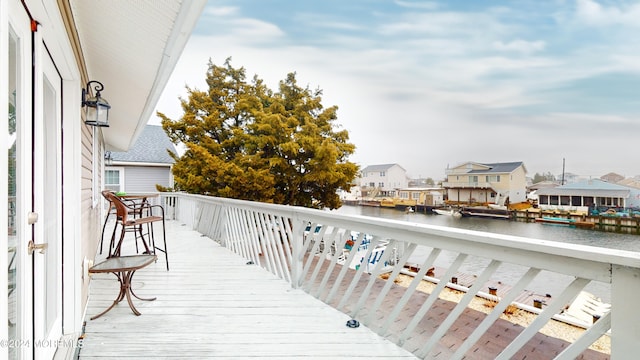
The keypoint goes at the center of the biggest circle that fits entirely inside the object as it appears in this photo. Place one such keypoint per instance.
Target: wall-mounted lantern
(96, 108)
(108, 160)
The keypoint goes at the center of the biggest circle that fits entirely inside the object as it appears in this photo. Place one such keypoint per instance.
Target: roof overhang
(132, 47)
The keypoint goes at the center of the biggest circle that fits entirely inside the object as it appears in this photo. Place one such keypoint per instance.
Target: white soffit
(131, 47)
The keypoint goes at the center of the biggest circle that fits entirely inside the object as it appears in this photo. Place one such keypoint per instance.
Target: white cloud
(592, 13)
(426, 88)
(521, 46)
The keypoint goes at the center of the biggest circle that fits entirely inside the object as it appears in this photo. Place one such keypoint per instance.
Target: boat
(449, 212)
(485, 213)
(556, 220)
(471, 213)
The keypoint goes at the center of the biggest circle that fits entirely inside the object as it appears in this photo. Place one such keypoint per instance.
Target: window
(404, 195)
(576, 201)
(382, 173)
(112, 180)
(588, 201)
(381, 184)
(415, 195)
(543, 200)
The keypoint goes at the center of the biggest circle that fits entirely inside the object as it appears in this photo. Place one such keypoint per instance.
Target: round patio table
(123, 267)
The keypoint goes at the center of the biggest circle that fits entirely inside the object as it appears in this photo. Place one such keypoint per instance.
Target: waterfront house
(419, 196)
(382, 180)
(588, 195)
(144, 166)
(81, 77)
(491, 183)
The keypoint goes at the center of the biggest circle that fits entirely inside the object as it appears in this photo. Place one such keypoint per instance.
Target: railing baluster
(328, 241)
(432, 297)
(387, 286)
(339, 242)
(459, 308)
(393, 315)
(592, 334)
(372, 280)
(495, 314)
(565, 297)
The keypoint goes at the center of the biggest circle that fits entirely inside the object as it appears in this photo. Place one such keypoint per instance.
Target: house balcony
(253, 280)
(467, 185)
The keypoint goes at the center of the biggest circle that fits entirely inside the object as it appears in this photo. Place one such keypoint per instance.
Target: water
(545, 282)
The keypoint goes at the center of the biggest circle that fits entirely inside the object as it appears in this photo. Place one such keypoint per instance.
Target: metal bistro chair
(133, 218)
(136, 211)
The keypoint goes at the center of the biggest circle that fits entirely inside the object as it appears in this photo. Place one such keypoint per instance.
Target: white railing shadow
(309, 249)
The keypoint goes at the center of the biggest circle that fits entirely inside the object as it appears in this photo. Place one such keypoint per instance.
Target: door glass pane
(49, 211)
(12, 188)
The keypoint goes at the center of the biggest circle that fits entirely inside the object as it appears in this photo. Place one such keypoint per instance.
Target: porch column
(625, 327)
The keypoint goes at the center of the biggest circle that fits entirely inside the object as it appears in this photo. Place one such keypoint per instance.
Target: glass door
(12, 224)
(47, 242)
(19, 190)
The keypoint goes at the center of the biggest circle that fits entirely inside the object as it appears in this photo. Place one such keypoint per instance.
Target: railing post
(297, 258)
(625, 327)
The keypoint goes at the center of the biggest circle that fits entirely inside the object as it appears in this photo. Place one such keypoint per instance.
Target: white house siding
(391, 178)
(141, 179)
(518, 183)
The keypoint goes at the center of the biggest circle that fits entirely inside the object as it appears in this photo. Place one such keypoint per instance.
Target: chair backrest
(122, 210)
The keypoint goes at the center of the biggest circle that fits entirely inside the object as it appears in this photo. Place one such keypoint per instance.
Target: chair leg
(116, 251)
(164, 238)
(146, 245)
(103, 228)
(112, 243)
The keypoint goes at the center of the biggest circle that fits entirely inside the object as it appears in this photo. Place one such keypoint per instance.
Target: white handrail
(274, 237)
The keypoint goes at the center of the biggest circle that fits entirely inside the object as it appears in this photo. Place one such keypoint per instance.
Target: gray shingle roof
(381, 167)
(499, 167)
(151, 147)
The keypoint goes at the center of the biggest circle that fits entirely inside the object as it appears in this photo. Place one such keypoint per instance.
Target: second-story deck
(255, 280)
(212, 304)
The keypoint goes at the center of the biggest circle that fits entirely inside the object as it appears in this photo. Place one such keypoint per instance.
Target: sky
(434, 84)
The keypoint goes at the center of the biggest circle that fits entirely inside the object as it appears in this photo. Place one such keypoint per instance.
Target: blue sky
(431, 84)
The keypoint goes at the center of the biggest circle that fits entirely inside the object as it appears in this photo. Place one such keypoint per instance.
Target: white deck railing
(282, 239)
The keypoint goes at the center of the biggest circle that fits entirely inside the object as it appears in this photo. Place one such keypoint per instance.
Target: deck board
(211, 304)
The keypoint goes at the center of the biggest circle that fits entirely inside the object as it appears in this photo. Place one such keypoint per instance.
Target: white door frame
(14, 17)
(47, 303)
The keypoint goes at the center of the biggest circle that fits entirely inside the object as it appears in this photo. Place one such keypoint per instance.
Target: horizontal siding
(139, 179)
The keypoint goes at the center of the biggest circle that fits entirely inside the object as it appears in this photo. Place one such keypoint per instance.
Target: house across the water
(589, 197)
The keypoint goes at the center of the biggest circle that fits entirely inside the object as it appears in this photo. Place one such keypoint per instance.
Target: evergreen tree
(245, 141)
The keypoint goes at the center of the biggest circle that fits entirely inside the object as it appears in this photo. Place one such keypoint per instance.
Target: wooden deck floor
(211, 304)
